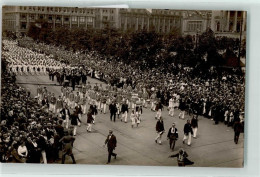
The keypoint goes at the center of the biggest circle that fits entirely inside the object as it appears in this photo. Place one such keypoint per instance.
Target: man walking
(124, 110)
(160, 130)
(172, 136)
(187, 132)
(111, 145)
(113, 110)
(237, 129)
(67, 141)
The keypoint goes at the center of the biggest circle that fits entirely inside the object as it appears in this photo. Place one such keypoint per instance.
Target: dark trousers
(111, 116)
(110, 153)
(71, 155)
(236, 137)
(172, 143)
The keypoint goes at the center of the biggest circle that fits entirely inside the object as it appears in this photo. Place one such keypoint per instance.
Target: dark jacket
(74, 119)
(159, 126)
(124, 108)
(174, 135)
(194, 122)
(90, 118)
(111, 142)
(63, 113)
(112, 108)
(78, 110)
(187, 128)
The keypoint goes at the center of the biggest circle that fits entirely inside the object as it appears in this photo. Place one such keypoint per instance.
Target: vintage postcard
(112, 86)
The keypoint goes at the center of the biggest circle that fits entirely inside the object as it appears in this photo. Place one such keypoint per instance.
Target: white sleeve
(19, 151)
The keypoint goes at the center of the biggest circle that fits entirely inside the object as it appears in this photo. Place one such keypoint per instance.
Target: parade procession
(57, 102)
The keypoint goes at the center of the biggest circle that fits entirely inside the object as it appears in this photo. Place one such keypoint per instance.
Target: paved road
(214, 146)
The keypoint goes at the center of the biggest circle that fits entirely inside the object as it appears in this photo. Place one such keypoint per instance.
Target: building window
(50, 18)
(194, 26)
(32, 17)
(23, 25)
(82, 19)
(105, 18)
(24, 8)
(89, 19)
(74, 18)
(58, 18)
(23, 16)
(66, 19)
(41, 16)
(21, 7)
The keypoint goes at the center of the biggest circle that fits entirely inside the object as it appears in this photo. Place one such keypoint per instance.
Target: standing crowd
(212, 94)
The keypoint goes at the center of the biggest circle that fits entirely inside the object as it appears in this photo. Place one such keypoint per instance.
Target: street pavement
(213, 147)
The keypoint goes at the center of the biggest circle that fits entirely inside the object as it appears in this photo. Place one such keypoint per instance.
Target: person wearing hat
(111, 143)
(182, 158)
(67, 142)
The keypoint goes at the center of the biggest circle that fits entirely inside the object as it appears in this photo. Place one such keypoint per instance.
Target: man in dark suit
(113, 110)
(111, 145)
(172, 136)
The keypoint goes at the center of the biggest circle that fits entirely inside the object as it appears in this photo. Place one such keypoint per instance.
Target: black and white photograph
(123, 86)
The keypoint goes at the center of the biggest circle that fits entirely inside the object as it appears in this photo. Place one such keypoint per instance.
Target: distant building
(185, 22)
(19, 18)
(161, 21)
(106, 18)
(229, 23)
(195, 22)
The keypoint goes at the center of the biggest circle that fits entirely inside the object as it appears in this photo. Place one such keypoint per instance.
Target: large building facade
(18, 18)
(229, 23)
(185, 22)
(161, 21)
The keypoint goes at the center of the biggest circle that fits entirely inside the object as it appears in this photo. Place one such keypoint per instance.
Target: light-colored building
(194, 22)
(19, 18)
(106, 18)
(229, 23)
(161, 21)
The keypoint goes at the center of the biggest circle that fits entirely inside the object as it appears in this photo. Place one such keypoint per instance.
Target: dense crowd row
(29, 133)
(213, 93)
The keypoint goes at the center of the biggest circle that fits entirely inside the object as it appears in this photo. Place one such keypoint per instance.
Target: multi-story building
(161, 21)
(223, 23)
(229, 23)
(19, 18)
(106, 18)
(194, 22)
